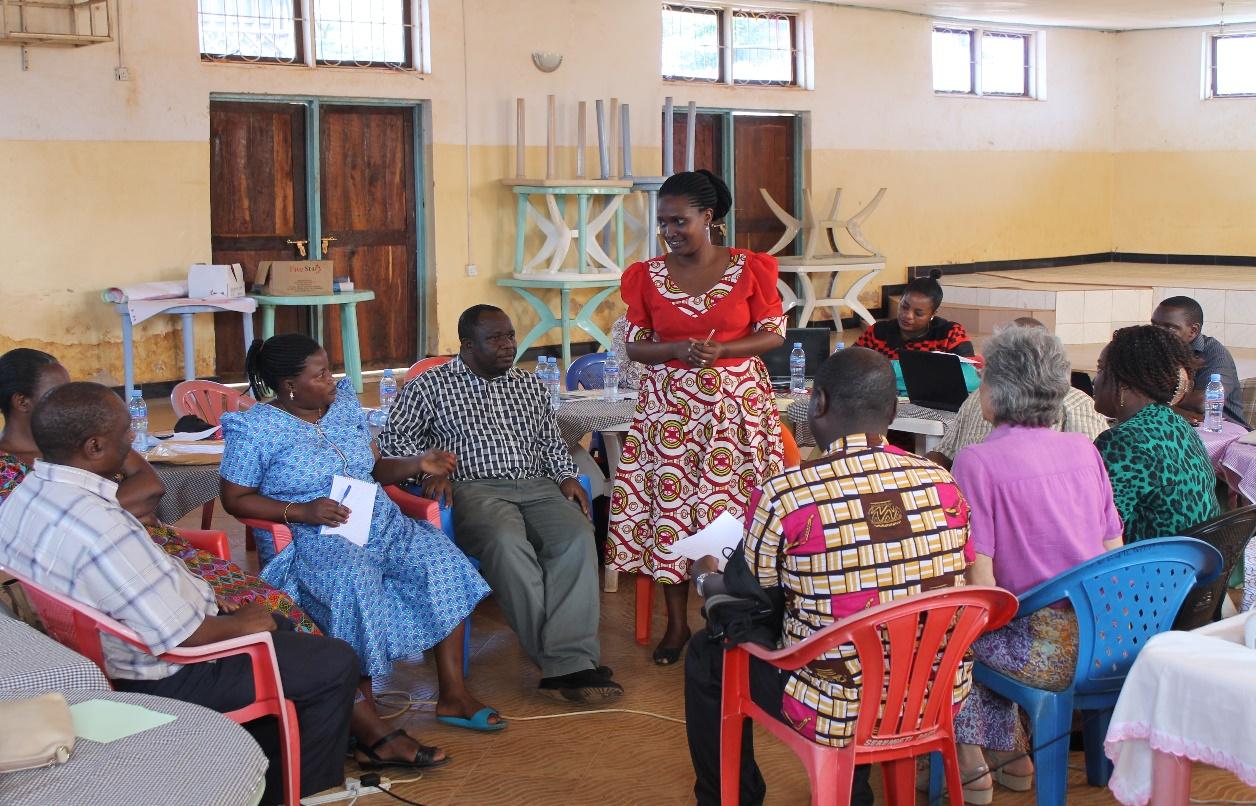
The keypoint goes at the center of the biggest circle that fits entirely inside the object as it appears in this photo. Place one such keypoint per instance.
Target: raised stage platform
(1084, 304)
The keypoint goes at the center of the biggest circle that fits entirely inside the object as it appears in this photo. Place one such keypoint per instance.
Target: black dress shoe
(580, 688)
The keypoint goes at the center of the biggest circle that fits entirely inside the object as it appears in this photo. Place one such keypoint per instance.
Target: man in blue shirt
(1184, 318)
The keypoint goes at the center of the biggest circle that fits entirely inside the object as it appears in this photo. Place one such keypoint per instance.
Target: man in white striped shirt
(64, 529)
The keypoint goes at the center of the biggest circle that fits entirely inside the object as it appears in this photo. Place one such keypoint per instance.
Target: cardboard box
(215, 280)
(293, 278)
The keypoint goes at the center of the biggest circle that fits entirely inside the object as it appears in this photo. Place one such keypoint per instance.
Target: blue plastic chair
(586, 372)
(1122, 599)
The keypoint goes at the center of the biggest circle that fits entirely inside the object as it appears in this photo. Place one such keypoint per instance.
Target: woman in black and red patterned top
(917, 326)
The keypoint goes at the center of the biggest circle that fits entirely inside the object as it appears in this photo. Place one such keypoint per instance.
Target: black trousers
(704, 669)
(319, 675)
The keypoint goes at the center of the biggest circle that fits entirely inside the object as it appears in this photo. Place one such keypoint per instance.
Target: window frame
(801, 67)
(1035, 43)
(417, 43)
(1210, 61)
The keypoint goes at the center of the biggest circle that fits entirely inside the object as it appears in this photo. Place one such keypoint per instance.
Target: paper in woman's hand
(718, 539)
(359, 497)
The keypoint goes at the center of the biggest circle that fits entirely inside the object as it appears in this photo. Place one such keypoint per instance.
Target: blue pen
(345, 496)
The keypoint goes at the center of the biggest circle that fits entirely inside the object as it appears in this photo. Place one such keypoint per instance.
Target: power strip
(353, 789)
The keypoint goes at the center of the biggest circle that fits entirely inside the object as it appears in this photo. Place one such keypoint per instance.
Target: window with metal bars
(1232, 65)
(977, 61)
(337, 33)
(731, 45)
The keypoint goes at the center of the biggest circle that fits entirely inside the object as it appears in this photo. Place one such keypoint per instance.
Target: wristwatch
(699, 579)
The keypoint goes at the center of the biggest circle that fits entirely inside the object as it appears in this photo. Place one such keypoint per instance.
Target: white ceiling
(1108, 15)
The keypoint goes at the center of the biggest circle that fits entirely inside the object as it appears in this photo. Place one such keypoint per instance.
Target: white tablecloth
(1189, 694)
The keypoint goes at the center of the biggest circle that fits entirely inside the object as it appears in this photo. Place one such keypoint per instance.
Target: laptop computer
(815, 346)
(933, 380)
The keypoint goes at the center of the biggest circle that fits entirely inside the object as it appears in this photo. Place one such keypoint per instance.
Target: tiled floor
(1088, 302)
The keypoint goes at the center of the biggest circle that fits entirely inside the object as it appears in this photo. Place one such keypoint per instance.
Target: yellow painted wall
(107, 182)
(1185, 165)
(73, 213)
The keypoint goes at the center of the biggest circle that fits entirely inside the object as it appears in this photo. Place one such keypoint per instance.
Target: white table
(1188, 697)
(185, 312)
(867, 267)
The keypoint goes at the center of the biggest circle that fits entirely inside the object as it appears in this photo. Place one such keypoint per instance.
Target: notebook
(933, 380)
(815, 346)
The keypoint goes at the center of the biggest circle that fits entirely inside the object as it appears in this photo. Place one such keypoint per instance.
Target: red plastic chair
(645, 583)
(213, 541)
(412, 506)
(79, 627)
(918, 716)
(209, 401)
(423, 365)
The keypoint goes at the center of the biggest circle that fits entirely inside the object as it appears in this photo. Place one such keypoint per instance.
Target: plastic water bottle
(139, 420)
(797, 370)
(553, 382)
(610, 380)
(1214, 404)
(387, 392)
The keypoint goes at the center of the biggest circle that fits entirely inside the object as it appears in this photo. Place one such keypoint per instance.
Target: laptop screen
(815, 345)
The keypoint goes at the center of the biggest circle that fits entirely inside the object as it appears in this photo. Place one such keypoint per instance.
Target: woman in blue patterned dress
(409, 589)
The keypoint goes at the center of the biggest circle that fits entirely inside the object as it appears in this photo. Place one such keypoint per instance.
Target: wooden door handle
(300, 245)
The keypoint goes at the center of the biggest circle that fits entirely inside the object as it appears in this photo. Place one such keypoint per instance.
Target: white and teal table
(547, 319)
(348, 302)
(551, 222)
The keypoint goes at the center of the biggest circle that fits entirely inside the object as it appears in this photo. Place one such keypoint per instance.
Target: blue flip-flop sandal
(478, 721)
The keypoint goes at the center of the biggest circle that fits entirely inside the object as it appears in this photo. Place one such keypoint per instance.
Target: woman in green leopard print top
(1162, 480)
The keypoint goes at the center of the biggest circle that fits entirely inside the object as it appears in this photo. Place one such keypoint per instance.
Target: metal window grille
(1232, 65)
(973, 61)
(730, 44)
(337, 33)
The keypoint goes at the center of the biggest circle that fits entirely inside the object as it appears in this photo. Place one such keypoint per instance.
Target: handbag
(39, 732)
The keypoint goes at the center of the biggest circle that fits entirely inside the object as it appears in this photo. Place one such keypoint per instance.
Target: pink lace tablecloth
(1172, 702)
(1216, 442)
(1239, 461)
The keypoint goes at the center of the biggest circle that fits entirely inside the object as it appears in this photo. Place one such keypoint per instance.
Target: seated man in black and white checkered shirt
(517, 504)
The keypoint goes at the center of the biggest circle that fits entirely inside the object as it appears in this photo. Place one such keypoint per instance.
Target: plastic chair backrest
(208, 400)
(423, 365)
(1228, 534)
(586, 372)
(903, 647)
(73, 624)
(1122, 599)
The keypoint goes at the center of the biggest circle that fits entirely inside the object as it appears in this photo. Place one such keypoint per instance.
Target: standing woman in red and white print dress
(706, 432)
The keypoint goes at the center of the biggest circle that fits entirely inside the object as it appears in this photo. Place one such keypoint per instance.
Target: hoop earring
(1120, 397)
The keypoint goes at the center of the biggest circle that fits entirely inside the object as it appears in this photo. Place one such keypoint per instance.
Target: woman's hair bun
(934, 274)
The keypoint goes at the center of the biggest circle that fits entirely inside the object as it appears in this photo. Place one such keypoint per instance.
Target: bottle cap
(388, 373)
(797, 345)
(137, 393)
(1215, 378)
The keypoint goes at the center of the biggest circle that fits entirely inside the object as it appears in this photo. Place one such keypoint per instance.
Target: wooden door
(765, 158)
(367, 178)
(257, 203)
(708, 137)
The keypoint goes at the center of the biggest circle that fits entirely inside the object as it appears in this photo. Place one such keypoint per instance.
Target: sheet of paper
(1248, 439)
(359, 497)
(106, 721)
(192, 436)
(721, 534)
